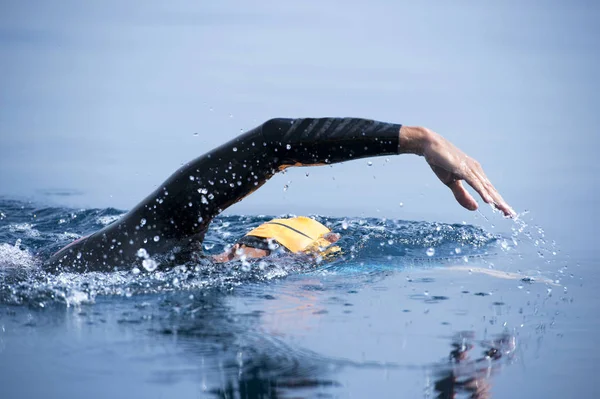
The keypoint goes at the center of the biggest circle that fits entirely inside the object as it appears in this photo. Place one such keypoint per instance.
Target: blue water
(101, 101)
(406, 308)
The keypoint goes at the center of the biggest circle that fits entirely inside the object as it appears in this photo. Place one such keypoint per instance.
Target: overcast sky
(102, 99)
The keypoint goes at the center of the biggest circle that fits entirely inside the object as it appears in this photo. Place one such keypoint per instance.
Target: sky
(101, 101)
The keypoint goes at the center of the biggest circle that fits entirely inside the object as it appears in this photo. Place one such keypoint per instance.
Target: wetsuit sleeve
(179, 211)
(227, 174)
(237, 168)
(310, 141)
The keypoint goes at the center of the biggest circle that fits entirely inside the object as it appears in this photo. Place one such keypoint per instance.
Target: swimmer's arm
(180, 210)
(208, 185)
(211, 183)
(309, 141)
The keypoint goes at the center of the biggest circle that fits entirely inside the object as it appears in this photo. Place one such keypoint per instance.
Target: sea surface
(410, 309)
(101, 101)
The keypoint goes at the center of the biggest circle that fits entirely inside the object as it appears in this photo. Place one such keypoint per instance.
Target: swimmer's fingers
(453, 182)
(474, 176)
(492, 195)
(474, 181)
(462, 195)
(451, 165)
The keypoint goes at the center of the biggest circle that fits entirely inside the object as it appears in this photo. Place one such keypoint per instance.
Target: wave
(29, 234)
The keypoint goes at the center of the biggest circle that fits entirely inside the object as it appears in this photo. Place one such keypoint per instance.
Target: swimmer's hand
(451, 166)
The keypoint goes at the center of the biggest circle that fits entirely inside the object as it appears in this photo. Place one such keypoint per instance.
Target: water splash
(366, 242)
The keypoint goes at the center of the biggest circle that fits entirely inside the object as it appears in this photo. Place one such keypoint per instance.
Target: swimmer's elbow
(276, 136)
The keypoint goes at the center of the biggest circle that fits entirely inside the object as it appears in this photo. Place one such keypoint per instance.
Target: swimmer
(175, 217)
(298, 235)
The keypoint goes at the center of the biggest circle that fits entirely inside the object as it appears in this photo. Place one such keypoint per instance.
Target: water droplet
(135, 271)
(195, 134)
(370, 163)
(285, 187)
(457, 250)
(504, 245)
(142, 222)
(234, 149)
(273, 245)
(401, 204)
(390, 242)
(307, 174)
(78, 255)
(156, 238)
(202, 191)
(430, 251)
(289, 147)
(149, 264)
(142, 253)
(345, 225)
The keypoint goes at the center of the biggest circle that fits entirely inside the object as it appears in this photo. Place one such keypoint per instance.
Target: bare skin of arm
(452, 167)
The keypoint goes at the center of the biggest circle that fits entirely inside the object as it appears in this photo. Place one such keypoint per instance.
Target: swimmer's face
(332, 237)
(240, 250)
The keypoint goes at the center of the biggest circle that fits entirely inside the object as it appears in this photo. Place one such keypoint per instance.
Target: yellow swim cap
(299, 234)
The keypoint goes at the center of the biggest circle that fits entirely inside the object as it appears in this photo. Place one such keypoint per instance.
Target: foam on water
(13, 257)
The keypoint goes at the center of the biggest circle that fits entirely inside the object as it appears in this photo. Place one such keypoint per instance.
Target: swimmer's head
(295, 235)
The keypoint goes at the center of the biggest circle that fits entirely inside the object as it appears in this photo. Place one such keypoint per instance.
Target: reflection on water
(472, 377)
(226, 353)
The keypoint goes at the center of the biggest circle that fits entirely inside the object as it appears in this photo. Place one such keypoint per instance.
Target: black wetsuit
(176, 216)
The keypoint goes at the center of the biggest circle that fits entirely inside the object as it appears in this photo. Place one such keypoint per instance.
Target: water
(413, 307)
(103, 101)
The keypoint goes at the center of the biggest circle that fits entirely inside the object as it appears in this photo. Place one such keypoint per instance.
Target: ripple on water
(371, 247)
